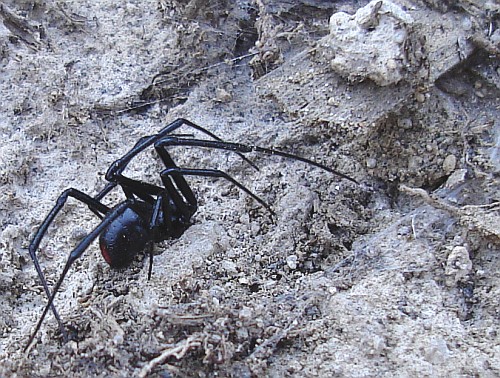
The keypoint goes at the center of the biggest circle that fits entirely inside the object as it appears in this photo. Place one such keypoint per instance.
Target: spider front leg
(243, 148)
(119, 165)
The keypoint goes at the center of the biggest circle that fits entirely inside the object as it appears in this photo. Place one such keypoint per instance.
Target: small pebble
(229, 266)
(332, 102)
(458, 266)
(371, 163)
(456, 178)
(291, 261)
(245, 313)
(405, 123)
(221, 95)
(449, 164)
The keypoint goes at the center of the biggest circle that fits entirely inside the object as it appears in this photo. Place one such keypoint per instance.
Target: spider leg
(243, 148)
(191, 201)
(177, 172)
(155, 224)
(95, 206)
(109, 186)
(119, 165)
(135, 188)
(111, 215)
(186, 122)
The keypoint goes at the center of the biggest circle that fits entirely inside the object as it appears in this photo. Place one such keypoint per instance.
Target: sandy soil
(396, 276)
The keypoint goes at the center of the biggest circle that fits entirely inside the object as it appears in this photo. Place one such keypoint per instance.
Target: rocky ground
(394, 276)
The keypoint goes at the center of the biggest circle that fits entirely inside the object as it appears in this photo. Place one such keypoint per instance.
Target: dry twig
(178, 351)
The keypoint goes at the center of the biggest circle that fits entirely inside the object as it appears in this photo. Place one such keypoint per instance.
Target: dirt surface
(396, 276)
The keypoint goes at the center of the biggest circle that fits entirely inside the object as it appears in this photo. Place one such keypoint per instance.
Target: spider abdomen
(124, 238)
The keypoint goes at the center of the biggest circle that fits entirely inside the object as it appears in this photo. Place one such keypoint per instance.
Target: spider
(150, 213)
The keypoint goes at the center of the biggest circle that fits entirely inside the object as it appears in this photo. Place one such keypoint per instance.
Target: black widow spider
(150, 213)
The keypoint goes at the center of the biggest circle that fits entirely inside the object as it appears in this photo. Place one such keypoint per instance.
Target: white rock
(370, 43)
(458, 265)
(291, 261)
